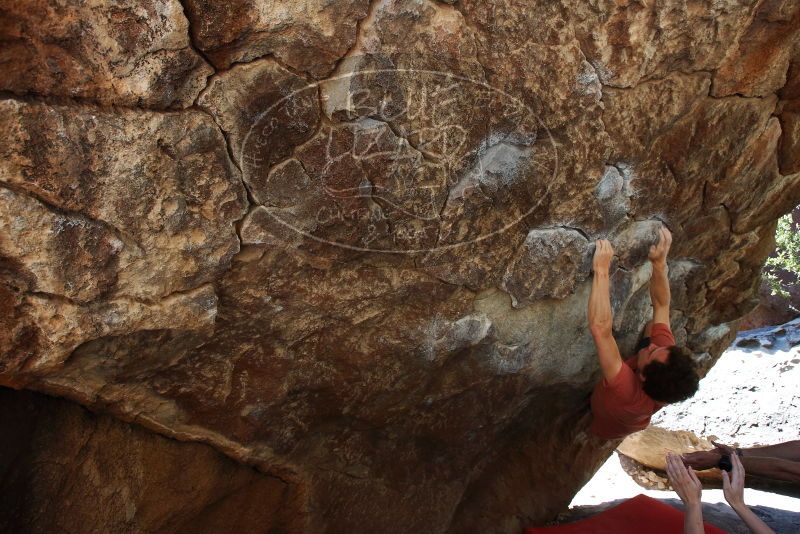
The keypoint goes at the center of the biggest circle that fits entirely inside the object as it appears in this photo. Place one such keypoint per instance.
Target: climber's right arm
(600, 315)
(659, 280)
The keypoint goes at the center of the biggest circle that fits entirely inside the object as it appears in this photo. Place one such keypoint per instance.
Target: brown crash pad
(642, 456)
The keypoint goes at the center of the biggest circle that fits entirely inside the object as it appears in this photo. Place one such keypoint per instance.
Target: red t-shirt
(620, 406)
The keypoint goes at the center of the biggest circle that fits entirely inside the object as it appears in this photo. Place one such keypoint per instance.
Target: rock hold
(551, 264)
(614, 192)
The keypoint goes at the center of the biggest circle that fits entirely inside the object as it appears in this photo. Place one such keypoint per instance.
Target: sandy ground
(750, 397)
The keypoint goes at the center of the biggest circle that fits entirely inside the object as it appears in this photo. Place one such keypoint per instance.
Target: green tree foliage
(786, 258)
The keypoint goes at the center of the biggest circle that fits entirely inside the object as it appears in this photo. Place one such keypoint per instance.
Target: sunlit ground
(750, 397)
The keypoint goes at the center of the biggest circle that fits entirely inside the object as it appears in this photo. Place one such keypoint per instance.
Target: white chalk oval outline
(505, 228)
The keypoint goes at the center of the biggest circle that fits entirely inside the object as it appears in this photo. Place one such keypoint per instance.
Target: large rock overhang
(350, 245)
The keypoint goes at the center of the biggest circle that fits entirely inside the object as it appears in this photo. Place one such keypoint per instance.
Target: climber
(659, 373)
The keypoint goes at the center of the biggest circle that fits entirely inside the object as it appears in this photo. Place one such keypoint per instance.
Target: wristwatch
(725, 463)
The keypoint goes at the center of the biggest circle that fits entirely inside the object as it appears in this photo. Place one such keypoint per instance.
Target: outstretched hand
(658, 252)
(733, 483)
(702, 459)
(733, 489)
(683, 480)
(724, 449)
(603, 253)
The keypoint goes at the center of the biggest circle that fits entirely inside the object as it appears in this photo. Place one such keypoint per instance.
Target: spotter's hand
(683, 480)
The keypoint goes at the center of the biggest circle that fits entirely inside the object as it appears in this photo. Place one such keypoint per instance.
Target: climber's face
(651, 354)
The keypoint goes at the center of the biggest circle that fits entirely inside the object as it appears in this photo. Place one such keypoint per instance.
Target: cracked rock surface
(112, 52)
(348, 243)
(137, 481)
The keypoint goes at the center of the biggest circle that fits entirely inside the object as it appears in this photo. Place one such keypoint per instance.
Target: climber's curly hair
(674, 380)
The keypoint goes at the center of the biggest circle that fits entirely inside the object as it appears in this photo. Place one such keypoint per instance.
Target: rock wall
(348, 243)
(65, 469)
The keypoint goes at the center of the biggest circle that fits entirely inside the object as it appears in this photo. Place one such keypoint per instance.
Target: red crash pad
(634, 516)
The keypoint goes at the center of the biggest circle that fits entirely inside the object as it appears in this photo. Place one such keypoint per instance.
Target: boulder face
(67, 469)
(105, 50)
(349, 244)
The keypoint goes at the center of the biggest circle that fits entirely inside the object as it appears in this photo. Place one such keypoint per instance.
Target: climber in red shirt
(659, 373)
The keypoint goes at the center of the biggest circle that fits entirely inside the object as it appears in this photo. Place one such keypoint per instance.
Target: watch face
(725, 463)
